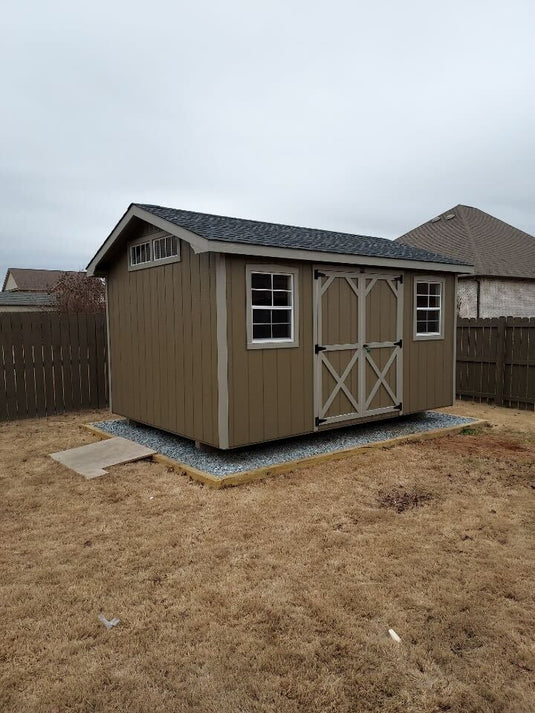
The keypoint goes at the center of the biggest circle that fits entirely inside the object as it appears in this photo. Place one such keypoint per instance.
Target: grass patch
(273, 597)
(400, 499)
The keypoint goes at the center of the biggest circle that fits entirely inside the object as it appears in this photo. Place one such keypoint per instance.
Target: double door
(359, 344)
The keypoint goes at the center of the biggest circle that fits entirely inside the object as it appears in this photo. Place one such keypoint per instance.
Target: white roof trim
(202, 245)
(198, 243)
(221, 246)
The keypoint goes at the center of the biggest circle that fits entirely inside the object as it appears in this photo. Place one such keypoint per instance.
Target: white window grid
(140, 253)
(165, 247)
(289, 307)
(430, 293)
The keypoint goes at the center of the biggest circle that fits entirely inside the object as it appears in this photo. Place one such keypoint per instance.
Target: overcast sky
(367, 117)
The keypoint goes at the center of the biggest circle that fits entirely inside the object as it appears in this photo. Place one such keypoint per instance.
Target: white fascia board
(201, 245)
(221, 246)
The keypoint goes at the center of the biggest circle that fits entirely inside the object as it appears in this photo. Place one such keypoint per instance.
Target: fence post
(500, 361)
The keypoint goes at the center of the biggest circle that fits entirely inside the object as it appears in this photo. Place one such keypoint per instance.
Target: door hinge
(318, 348)
(319, 421)
(399, 407)
(399, 343)
(318, 274)
(399, 278)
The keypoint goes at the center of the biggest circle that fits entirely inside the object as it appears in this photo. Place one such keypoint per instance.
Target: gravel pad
(222, 463)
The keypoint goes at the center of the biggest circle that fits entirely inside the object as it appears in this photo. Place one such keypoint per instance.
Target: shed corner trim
(222, 352)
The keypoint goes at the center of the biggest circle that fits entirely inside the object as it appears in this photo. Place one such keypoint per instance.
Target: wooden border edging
(249, 476)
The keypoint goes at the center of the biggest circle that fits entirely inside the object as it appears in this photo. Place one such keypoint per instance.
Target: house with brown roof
(23, 279)
(503, 283)
(29, 290)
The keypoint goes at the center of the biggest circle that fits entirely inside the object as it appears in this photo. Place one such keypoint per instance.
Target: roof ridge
(475, 251)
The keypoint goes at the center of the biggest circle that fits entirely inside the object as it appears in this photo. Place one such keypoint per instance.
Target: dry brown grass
(276, 596)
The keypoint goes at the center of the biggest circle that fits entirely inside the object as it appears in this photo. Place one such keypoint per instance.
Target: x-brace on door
(359, 346)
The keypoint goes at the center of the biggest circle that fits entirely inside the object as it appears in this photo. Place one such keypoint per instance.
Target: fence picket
(9, 402)
(19, 369)
(101, 361)
(38, 371)
(48, 364)
(68, 339)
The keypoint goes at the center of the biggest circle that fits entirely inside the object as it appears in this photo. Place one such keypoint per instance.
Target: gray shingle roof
(15, 298)
(254, 232)
(494, 248)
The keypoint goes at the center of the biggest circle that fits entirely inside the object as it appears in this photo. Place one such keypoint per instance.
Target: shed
(231, 332)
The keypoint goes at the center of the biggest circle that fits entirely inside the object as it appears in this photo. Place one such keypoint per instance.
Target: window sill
(153, 263)
(273, 345)
(427, 337)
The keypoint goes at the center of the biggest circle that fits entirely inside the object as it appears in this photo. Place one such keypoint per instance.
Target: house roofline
(497, 276)
(203, 245)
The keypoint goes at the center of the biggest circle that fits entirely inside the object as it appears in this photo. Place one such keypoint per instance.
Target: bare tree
(76, 292)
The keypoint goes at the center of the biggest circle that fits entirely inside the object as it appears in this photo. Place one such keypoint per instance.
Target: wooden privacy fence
(51, 363)
(496, 361)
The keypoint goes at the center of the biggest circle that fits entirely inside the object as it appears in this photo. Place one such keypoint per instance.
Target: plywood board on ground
(91, 460)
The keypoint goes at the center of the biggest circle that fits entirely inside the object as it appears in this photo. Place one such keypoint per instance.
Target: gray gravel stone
(221, 463)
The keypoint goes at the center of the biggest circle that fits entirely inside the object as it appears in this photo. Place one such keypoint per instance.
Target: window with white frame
(271, 307)
(140, 254)
(429, 299)
(158, 248)
(165, 247)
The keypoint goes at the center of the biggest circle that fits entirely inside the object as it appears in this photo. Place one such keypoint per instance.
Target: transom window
(165, 247)
(159, 248)
(140, 253)
(429, 304)
(271, 305)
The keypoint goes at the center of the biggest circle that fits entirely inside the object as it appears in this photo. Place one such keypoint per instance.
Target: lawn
(275, 596)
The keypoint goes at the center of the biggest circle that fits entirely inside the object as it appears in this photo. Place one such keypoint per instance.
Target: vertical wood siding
(163, 344)
(270, 390)
(427, 364)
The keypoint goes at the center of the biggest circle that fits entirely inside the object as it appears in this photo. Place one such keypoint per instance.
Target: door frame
(361, 275)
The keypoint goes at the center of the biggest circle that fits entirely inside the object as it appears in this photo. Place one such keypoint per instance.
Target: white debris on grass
(394, 635)
(221, 463)
(108, 623)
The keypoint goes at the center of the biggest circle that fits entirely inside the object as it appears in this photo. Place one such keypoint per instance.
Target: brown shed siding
(271, 391)
(428, 364)
(162, 322)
